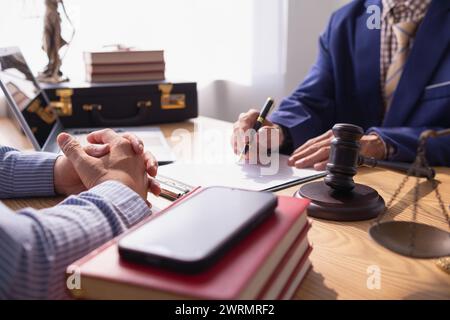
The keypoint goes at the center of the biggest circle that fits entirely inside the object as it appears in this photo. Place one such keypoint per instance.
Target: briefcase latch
(170, 100)
(144, 104)
(63, 107)
(91, 107)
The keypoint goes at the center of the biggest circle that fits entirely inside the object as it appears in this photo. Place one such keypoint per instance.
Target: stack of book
(124, 65)
(269, 263)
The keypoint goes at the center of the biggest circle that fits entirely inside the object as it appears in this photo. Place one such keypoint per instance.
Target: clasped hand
(110, 156)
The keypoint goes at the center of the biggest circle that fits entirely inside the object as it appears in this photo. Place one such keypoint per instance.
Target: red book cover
(240, 274)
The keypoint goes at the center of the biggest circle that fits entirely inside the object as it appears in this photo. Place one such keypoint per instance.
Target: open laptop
(29, 103)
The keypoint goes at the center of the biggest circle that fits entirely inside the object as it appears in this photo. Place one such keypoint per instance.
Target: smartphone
(195, 233)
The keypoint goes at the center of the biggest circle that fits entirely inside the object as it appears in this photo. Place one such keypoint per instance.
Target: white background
(239, 51)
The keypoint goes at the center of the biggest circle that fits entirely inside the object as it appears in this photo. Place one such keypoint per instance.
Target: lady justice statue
(53, 41)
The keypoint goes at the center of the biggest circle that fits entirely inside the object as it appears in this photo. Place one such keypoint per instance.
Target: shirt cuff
(33, 174)
(287, 146)
(130, 206)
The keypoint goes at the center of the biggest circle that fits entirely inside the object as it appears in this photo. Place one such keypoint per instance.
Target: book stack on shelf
(270, 263)
(124, 65)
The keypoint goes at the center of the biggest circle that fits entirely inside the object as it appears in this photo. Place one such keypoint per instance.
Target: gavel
(338, 197)
(345, 159)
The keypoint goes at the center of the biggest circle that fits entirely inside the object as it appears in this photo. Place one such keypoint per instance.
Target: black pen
(259, 123)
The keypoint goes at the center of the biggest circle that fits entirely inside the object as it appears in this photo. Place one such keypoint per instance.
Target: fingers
(326, 136)
(241, 132)
(234, 144)
(248, 119)
(311, 146)
(102, 136)
(268, 137)
(310, 150)
(71, 148)
(373, 146)
(239, 139)
(136, 143)
(153, 186)
(97, 150)
(151, 165)
(240, 135)
(319, 156)
(108, 135)
(84, 165)
(321, 166)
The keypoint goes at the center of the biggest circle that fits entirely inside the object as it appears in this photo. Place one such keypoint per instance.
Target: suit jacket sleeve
(404, 143)
(310, 110)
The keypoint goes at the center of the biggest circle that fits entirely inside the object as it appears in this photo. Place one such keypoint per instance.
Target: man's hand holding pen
(313, 153)
(253, 132)
(262, 138)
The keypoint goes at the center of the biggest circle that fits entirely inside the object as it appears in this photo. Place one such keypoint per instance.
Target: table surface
(343, 253)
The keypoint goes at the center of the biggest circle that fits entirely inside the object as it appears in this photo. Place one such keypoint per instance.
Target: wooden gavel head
(338, 197)
(344, 153)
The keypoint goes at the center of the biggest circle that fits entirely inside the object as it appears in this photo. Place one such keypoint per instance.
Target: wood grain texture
(10, 135)
(342, 251)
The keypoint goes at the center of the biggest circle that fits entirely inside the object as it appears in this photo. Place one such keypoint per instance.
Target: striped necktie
(404, 32)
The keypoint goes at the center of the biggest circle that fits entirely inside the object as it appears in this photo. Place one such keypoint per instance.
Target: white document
(156, 143)
(237, 175)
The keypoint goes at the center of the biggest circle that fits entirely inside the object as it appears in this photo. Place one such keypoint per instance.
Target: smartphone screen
(194, 232)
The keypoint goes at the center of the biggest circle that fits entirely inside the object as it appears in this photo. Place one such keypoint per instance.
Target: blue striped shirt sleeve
(36, 246)
(25, 174)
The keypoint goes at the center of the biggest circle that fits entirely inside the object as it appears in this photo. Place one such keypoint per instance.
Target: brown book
(117, 77)
(123, 56)
(124, 68)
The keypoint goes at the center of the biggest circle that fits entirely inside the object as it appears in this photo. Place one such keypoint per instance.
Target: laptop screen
(25, 96)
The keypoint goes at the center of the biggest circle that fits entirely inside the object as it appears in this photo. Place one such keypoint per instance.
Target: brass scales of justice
(411, 238)
(339, 198)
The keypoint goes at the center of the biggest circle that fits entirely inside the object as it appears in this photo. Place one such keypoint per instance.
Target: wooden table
(343, 252)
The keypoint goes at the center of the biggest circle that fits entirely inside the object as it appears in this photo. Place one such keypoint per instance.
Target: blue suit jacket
(344, 85)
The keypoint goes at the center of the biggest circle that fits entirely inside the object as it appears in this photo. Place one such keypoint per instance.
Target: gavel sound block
(338, 197)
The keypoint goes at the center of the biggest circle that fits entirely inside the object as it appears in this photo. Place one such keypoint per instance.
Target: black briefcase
(123, 104)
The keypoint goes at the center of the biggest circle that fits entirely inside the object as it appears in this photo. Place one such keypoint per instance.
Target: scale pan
(429, 242)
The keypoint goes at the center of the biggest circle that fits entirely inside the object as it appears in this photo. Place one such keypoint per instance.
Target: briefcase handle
(140, 118)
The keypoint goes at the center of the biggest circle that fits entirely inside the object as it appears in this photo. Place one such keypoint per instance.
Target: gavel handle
(404, 167)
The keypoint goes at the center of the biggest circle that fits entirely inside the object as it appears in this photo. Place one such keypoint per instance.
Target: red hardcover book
(282, 275)
(240, 274)
(296, 278)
